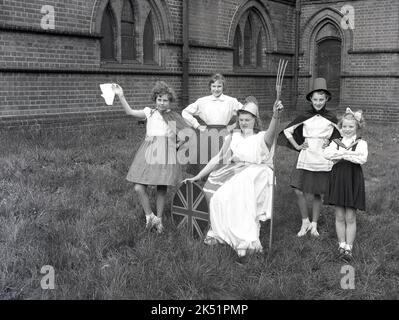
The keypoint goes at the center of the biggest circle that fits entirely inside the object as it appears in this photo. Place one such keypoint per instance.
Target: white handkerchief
(108, 93)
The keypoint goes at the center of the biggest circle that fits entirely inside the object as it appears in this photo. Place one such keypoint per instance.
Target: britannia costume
(241, 193)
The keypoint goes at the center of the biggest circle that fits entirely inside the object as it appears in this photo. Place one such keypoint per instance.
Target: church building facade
(54, 54)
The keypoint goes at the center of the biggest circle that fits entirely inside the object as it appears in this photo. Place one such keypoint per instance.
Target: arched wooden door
(328, 66)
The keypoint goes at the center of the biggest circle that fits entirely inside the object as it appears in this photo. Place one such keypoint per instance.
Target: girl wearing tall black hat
(309, 134)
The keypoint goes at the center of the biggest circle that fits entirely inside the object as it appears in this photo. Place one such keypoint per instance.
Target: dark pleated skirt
(313, 182)
(346, 186)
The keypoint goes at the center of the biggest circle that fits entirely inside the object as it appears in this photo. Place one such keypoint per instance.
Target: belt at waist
(215, 126)
(252, 163)
(320, 138)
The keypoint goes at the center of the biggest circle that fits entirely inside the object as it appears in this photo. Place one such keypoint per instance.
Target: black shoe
(347, 256)
(341, 253)
(243, 260)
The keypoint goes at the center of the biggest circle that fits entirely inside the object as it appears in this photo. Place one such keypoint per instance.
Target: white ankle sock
(342, 245)
(305, 221)
(349, 247)
(149, 216)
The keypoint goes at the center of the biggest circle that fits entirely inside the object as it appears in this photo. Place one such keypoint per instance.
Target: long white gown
(241, 193)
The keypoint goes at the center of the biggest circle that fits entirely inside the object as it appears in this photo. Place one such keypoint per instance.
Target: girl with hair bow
(346, 190)
(358, 115)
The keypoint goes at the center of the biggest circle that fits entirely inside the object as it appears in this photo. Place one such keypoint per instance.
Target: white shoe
(150, 220)
(304, 229)
(158, 225)
(313, 230)
(210, 241)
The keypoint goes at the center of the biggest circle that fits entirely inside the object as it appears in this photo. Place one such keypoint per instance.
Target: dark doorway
(328, 66)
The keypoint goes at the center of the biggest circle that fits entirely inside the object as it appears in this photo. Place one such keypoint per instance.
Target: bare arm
(188, 114)
(135, 113)
(288, 133)
(297, 146)
(271, 131)
(213, 162)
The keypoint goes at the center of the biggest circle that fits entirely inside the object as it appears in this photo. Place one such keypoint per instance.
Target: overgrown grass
(64, 202)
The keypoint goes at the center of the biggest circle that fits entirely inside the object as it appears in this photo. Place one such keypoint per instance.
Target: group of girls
(239, 192)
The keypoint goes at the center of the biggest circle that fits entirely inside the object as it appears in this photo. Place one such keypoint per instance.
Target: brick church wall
(51, 77)
(370, 68)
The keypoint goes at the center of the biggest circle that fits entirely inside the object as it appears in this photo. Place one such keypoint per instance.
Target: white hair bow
(357, 114)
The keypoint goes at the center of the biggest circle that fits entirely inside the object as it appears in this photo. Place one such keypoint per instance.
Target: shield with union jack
(190, 209)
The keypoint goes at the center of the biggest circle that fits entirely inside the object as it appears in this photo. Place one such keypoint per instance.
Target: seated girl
(240, 192)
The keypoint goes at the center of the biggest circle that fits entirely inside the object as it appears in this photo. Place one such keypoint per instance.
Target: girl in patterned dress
(155, 162)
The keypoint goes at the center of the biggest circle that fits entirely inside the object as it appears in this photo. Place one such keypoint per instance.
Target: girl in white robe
(240, 192)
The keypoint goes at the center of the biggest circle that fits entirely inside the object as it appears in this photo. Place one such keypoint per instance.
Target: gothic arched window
(247, 43)
(108, 38)
(134, 33)
(128, 32)
(259, 51)
(148, 41)
(328, 60)
(250, 40)
(236, 47)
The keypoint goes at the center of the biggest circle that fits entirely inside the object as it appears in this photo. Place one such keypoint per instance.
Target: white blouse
(336, 152)
(214, 111)
(156, 125)
(316, 130)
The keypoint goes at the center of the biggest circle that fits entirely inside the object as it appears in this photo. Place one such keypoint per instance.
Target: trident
(282, 65)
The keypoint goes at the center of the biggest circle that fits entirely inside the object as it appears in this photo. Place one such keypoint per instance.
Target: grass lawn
(64, 202)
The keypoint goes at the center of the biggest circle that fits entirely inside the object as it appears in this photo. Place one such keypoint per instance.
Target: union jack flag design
(190, 209)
